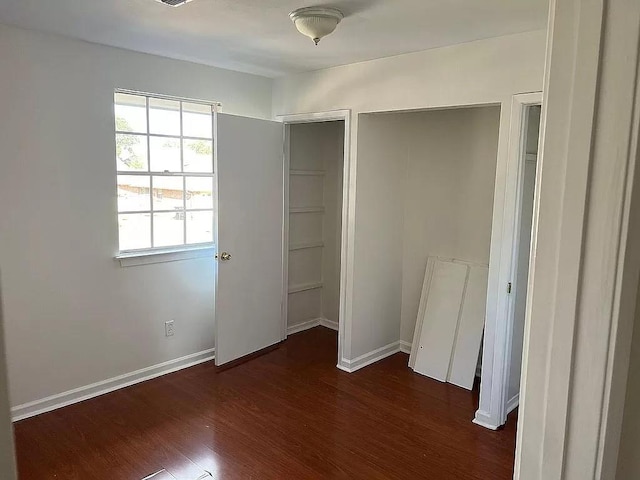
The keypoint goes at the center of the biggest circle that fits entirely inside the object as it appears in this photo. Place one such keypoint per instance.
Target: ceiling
(257, 36)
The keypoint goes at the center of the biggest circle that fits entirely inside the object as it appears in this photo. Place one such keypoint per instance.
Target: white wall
(332, 223)
(448, 196)
(73, 315)
(425, 187)
(482, 72)
(381, 176)
(533, 129)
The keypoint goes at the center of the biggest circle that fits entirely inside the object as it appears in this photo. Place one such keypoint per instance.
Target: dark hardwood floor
(289, 414)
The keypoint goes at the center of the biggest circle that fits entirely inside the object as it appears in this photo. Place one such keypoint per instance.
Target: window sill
(147, 257)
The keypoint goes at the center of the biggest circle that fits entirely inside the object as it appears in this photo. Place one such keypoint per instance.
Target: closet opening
(522, 254)
(446, 203)
(427, 181)
(314, 184)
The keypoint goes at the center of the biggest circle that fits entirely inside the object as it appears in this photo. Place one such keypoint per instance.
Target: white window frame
(143, 256)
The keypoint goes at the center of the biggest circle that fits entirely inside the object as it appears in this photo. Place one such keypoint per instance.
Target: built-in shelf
(306, 210)
(305, 287)
(315, 173)
(303, 246)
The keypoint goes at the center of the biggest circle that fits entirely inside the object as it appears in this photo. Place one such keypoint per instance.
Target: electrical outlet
(168, 328)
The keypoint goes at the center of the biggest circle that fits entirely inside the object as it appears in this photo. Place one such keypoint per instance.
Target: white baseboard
(405, 347)
(329, 324)
(362, 361)
(513, 403)
(315, 322)
(30, 409)
(484, 420)
(301, 327)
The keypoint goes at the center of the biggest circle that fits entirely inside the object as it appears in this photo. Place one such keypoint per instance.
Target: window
(164, 164)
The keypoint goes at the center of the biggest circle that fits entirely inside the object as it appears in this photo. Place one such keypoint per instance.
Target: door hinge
(509, 287)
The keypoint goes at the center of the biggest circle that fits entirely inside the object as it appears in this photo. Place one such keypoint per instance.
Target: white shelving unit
(315, 185)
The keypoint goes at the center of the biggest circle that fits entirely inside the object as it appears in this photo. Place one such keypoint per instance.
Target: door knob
(224, 256)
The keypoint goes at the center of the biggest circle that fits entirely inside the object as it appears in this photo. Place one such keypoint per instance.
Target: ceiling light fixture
(316, 22)
(174, 3)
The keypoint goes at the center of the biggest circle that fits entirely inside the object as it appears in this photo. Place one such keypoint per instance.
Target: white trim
(315, 173)
(347, 241)
(302, 326)
(53, 402)
(324, 322)
(304, 246)
(405, 347)
(147, 257)
(286, 166)
(484, 420)
(293, 210)
(315, 117)
(513, 403)
(308, 324)
(141, 93)
(373, 356)
(305, 287)
(496, 350)
(216, 233)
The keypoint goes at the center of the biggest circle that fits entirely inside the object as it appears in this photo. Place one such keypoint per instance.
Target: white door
(250, 230)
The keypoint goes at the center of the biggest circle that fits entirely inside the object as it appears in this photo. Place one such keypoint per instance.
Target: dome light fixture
(316, 22)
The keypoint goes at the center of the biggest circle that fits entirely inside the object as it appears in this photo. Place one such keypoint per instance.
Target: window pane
(199, 227)
(168, 229)
(168, 193)
(164, 116)
(131, 113)
(133, 193)
(164, 154)
(131, 152)
(199, 192)
(196, 120)
(134, 230)
(198, 156)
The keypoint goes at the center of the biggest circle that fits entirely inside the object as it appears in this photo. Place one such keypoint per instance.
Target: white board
(450, 323)
(469, 337)
(440, 319)
(421, 309)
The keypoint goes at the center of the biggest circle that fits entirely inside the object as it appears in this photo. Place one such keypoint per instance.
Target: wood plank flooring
(289, 414)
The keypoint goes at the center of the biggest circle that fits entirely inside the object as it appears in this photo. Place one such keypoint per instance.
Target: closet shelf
(306, 209)
(305, 287)
(302, 246)
(317, 173)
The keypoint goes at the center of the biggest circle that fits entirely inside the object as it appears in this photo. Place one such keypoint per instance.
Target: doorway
(315, 153)
(507, 297)
(426, 182)
(529, 161)
(253, 230)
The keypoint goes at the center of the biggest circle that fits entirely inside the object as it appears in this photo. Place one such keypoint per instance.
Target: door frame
(497, 342)
(348, 220)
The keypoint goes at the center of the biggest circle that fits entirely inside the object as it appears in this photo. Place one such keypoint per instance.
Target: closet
(425, 188)
(316, 152)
